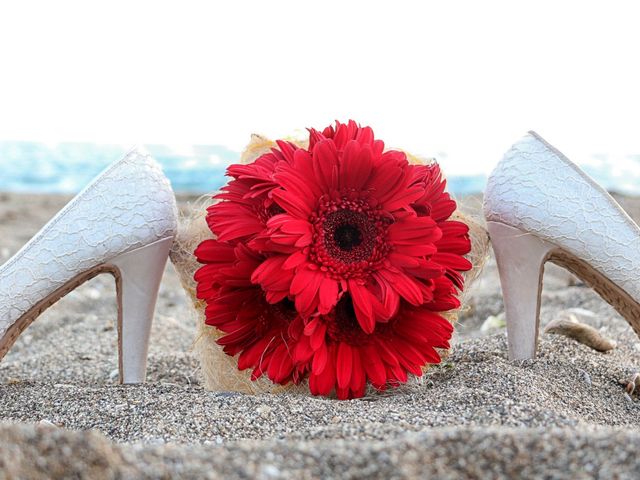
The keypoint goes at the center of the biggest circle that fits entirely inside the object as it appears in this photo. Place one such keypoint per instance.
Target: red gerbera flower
(455, 242)
(349, 227)
(256, 330)
(341, 356)
(331, 261)
(247, 204)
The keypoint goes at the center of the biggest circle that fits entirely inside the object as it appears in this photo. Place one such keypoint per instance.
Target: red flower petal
(323, 383)
(344, 364)
(406, 286)
(358, 376)
(328, 295)
(320, 360)
(374, 367)
(356, 166)
(362, 305)
(304, 287)
(325, 164)
(291, 203)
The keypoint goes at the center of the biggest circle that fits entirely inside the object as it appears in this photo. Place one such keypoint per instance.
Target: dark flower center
(342, 325)
(273, 316)
(347, 236)
(274, 209)
(350, 237)
(265, 212)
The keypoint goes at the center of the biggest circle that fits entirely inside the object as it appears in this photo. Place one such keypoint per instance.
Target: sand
(564, 415)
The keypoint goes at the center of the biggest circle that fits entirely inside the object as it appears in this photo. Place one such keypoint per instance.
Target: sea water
(68, 167)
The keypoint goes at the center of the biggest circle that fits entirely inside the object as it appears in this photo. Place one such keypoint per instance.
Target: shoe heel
(138, 274)
(520, 257)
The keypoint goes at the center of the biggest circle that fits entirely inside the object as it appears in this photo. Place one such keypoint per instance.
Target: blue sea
(67, 167)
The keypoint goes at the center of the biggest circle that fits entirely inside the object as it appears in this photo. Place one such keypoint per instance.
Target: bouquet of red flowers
(332, 261)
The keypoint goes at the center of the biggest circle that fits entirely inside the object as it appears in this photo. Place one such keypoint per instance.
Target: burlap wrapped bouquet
(220, 370)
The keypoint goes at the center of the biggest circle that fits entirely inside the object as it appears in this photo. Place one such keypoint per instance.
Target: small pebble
(585, 376)
(494, 322)
(567, 324)
(263, 411)
(270, 471)
(48, 423)
(93, 293)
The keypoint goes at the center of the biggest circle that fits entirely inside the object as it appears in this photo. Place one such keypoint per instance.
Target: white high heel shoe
(541, 207)
(123, 223)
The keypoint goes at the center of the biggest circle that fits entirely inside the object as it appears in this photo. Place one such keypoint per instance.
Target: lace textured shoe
(541, 207)
(123, 223)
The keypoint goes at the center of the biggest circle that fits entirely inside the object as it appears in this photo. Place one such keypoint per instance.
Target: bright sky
(466, 78)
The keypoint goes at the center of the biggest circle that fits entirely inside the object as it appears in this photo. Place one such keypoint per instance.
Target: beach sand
(564, 415)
